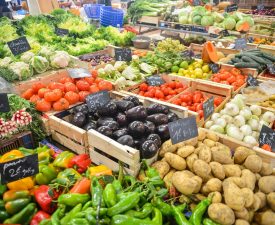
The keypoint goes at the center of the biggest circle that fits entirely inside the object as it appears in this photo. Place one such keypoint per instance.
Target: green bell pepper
(63, 159)
(46, 175)
(67, 218)
(27, 151)
(72, 199)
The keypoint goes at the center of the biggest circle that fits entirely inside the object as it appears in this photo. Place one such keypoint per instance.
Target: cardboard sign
(224, 33)
(231, 8)
(200, 29)
(97, 99)
(267, 136)
(154, 80)
(4, 102)
(213, 35)
(61, 32)
(240, 43)
(208, 108)
(251, 81)
(123, 54)
(19, 168)
(271, 68)
(79, 73)
(183, 129)
(19, 45)
(214, 67)
(187, 54)
(182, 27)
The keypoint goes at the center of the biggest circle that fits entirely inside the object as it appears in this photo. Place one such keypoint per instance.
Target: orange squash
(204, 55)
(244, 27)
(210, 52)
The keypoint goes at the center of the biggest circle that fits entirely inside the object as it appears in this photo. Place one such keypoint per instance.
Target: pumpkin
(242, 26)
(209, 53)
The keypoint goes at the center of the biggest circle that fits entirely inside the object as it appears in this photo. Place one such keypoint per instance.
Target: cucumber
(269, 57)
(248, 59)
(246, 65)
(235, 60)
(257, 59)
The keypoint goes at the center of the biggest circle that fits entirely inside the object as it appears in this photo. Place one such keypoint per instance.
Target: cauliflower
(27, 56)
(131, 73)
(5, 62)
(23, 70)
(40, 64)
(120, 65)
(147, 68)
(109, 68)
(46, 52)
(60, 59)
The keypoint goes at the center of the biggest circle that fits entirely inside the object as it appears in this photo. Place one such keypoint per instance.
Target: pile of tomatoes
(60, 95)
(163, 92)
(233, 77)
(193, 100)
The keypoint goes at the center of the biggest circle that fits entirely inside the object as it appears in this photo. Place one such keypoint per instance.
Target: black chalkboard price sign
(240, 43)
(224, 33)
(183, 129)
(214, 67)
(182, 27)
(19, 45)
(79, 73)
(271, 68)
(212, 35)
(154, 80)
(260, 6)
(19, 168)
(251, 81)
(201, 29)
(97, 99)
(231, 8)
(267, 136)
(123, 54)
(61, 32)
(208, 108)
(4, 102)
(187, 54)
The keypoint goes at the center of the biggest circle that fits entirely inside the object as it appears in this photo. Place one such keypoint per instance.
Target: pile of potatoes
(242, 186)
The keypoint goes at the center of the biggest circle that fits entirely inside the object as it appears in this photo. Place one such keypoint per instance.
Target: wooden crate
(197, 49)
(149, 20)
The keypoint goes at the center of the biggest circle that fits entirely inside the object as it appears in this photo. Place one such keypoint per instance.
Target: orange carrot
(81, 186)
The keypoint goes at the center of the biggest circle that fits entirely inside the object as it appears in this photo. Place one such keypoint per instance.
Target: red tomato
(94, 73)
(82, 95)
(240, 82)
(166, 91)
(159, 94)
(216, 79)
(200, 112)
(172, 84)
(197, 98)
(179, 85)
(168, 97)
(56, 85)
(218, 100)
(143, 87)
(105, 85)
(185, 98)
(231, 79)
(90, 80)
(172, 92)
(97, 80)
(93, 89)
(82, 85)
(149, 94)
(37, 86)
(184, 104)
(199, 106)
(70, 87)
(141, 93)
(176, 101)
(224, 82)
(65, 80)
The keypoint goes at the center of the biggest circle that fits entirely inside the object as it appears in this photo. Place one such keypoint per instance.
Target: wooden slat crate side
(46, 125)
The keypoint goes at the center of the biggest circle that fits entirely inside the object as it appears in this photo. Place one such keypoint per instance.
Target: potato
(216, 197)
(168, 178)
(209, 143)
(251, 214)
(237, 180)
(190, 161)
(214, 184)
(200, 144)
(271, 200)
(262, 197)
(243, 214)
(248, 196)
(184, 184)
(267, 184)
(266, 169)
(256, 204)
(232, 170)
(241, 154)
(202, 169)
(253, 163)
(199, 182)
(205, 154)
(192, 141)
(221, 213)
(175, 161)
(202, 134)
(258, 176)
(233, 196)
(265, 218)
(212, 136)
(185, 151)
(162, 167)
(249, 179)
(221, 157)
(241, 222)
(167, 146)
(217, 170)
(223, 148)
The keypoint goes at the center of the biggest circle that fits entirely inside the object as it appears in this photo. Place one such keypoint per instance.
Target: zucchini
(248, 59)
(235, 60)
(257, 59)
(246, 65)
(269, 57)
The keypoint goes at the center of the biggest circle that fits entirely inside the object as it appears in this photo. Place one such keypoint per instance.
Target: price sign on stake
(154, 80)
(231, 8)
(4, 102)
(267, 136)
(188, 54)
(97, 99)
(19, 45)
(182, 27)
(123, 54)
(208, 108)
(224, 33)
(271, 68)
(183, 129)
(61, 32)
(19, 168)
(79, 73)
(251, 81)
(213, 35)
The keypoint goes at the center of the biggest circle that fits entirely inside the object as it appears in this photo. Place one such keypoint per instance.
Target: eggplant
(107, 131)
(81, 108)
(123, 105)
(118, 133)
(136, 129)
(155, 138)
(90, 125)
(158, 118)
(133, 99)
(138, 142)
(101, 120)
(149, 127)
(79, 119)
(172, 117)
(136, 113)
(111, 124)
(163, 132)
(121, 119)
(126, 140)
(157, 108)
(108, 109)
(148, 149)
(92, 117)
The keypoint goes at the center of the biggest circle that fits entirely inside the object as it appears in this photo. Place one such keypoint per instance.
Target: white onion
(221, 122)
(239, 121)
(235, 132)
(256, 110)
(250, 140)
(215, 116)
(268, 117)
(255, 117)
(227, 118)
(239, 101)
(261, 123)
(255, 134)
(231, 109)
(217, 129)
(208, 124)
(253, 124)
(246, 113)
(246, 130)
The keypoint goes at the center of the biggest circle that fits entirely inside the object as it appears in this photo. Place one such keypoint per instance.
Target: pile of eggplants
(128, 122)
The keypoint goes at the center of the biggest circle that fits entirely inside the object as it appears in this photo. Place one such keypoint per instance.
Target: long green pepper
(67, 218)
(109, 195)
(179, 216)
(208, 221)
(145, 211)
(200, 209)
(96, 192)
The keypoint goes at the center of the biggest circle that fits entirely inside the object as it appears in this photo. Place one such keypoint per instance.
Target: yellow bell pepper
(11, 155)
(98, 171)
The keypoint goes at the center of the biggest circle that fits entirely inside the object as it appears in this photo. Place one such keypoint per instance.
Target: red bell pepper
(38, 217)
(80, 162)
(44, 196)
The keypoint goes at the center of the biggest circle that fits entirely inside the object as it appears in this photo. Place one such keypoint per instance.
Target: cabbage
(60, 59)
(183, 19)
(40, 64)
(218, 17)
(23, 70)
(207, 21)
(196, 20)
(237, 16)
(199, 10)
(229, 23)
(27, 56)
(46, 52)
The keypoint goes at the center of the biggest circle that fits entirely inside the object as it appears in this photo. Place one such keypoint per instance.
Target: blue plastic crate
(111, 17)
(92, 10)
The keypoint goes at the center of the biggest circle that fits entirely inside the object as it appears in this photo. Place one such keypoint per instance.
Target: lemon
(205, 69)
(181, 71)
(200, 61)
(190, 67)
(184, 65)
(198, 72)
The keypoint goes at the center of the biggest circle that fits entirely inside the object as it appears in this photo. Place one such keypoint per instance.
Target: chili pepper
(87, 205)
(73, 199)
(91, 219)
(98, 171)
(46, 222)
(117, 186)
(3, 188)
(132, 180)
(82, 186)
(109, 195)
(146, 211)
(67, 218)
(78, 221)
(196, 217)
(46, 175)
(11, 195)
(125, 204)
(165, 208)
(149, 171)
(38, 217)
(44, 196)
(56, 216)
(16, 205)
(104, 221)
(63, 159)
(3, 215)
(80, 162)
(157, 219)
(93, 211)
(207, 221)
(26, 151)
(162, 192)
(96, 192)
(179, 216)
(23, 216)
